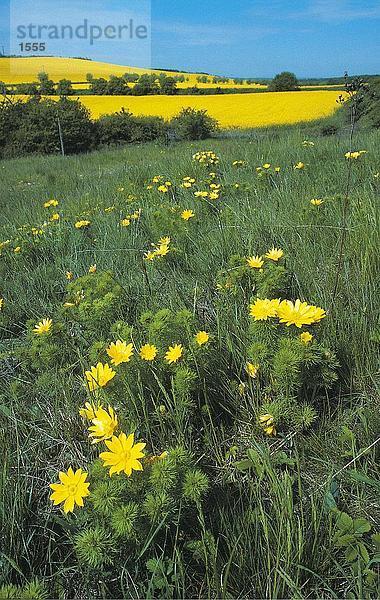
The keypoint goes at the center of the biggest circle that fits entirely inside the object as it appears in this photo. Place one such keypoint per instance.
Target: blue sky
(246, 38)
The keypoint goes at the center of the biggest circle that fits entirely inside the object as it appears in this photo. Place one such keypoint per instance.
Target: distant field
(234, 110)
(25, 70)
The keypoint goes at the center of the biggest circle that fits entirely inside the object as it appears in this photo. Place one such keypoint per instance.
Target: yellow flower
(202, 337)
(125, 222)
(251, 369)
(299, 166)
(120, 352)
(266, 166)
(82, 224)
(1, 303)
(275, 254)
(51, 203)
(277, 169)
(88, 411)
(187, 214)
(255, 262)
(262, 309)
(306, 337)
(201, 194)
(123, 455)
(157, 178)
(150, 255)
(163, 188)
(213, 195)
(355, 155)
(17, 250)
(165, 241)
(148, 352)
(109, 209)
(69, 275)
(92, 269)
(162, 250)
(316, 201)
(72, 489)
(268, 424)
(43, 327)
(299, 313)
(174, 353)
(55, 217)
(99, 376)
(104, 424)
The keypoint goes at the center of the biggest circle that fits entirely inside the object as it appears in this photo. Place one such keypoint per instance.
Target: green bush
(32, 127)
(192, 124)
(123, 127)
(284, 82)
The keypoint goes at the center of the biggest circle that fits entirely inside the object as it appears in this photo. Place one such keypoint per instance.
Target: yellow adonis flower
(82, 224)
(261, 310)
(99, 376)
(103, 424)
(306, 337)
(162, 250)
(88, 411)
(266, 166)
(43, 327)
(255, 262)
(1, 303)
(316, 201)
(148, 352)
(71, 490)
(55, 217)
(202, 337)
(51, 203)
(299, 313)
(299, 166)
(252, 369)
(201, 194)
(163, 188)
(120, 352)
(125, 222)
(17, 250)
(174, 354)
(123, 455)
(69, 275)
(92, 269)
(213, 195)
(268, 424)
(355, 155)
(274, 254)
(187, 214)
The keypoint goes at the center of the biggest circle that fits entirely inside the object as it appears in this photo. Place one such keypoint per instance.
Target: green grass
(273, 530)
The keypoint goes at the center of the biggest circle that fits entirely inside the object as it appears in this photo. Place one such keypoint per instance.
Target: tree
(117, 86)
(168, 85)
(46, 87)
(99, 86)
(64, 88)
(284, 82)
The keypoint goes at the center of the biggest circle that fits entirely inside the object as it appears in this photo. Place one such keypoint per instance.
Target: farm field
(25, 70)
(235, 110)
(255, 419)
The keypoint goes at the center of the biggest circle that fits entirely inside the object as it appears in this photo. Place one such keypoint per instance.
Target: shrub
(122, 127)
(284, 82)
(64, 88)
(32, 127)
(192, 124)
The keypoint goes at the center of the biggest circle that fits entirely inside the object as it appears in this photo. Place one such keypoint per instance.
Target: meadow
(254, 467)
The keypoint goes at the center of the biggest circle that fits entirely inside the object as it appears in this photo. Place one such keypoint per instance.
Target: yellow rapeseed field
(25, 70)
(231, 110)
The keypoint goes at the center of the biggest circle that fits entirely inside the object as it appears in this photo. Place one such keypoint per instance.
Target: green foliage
(192, 124)
(284, 82)
(32, 127)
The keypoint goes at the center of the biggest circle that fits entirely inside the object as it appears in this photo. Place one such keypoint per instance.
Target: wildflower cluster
(206, 157)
